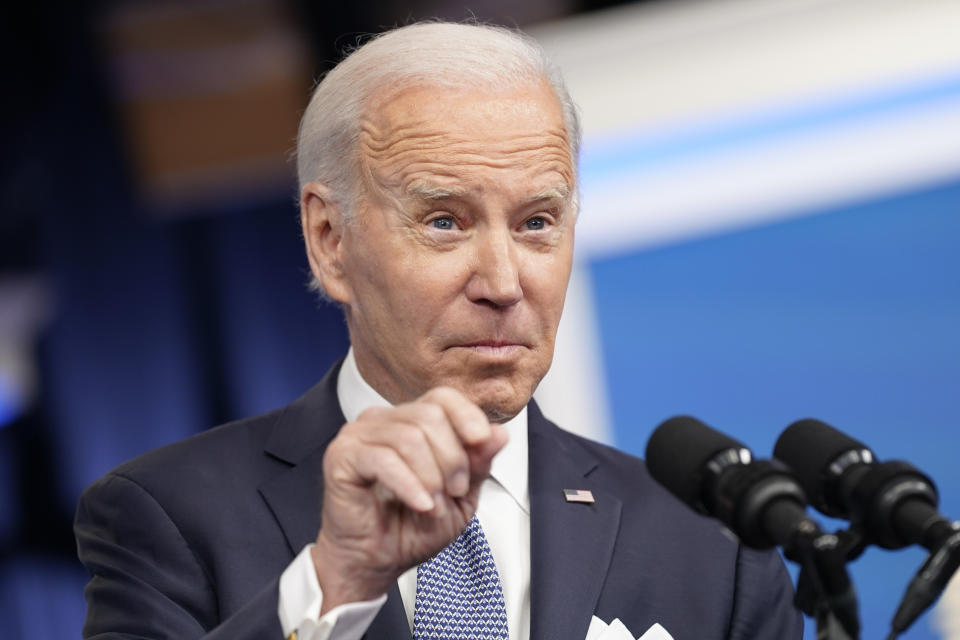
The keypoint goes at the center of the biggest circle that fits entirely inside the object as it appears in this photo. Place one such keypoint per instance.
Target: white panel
(573, 392)
(770, 179)
(665, 63)
(946, 615)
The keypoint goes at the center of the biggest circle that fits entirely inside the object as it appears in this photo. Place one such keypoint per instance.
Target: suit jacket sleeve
(146, 580)
(763, 603)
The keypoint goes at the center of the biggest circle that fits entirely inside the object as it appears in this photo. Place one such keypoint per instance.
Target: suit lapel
(295, 497)
(571, 543)
(300, 438)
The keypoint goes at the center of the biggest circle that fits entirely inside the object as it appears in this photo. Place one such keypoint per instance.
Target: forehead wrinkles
(414, 148)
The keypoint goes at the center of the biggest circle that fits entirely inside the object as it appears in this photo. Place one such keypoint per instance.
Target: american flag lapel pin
(578, 495)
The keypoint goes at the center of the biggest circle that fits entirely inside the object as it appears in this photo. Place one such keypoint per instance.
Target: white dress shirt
(503, 511)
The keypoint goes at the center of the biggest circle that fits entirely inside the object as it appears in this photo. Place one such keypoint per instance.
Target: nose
(496, 275)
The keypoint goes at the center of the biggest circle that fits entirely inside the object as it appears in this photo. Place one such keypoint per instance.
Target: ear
(323, 228)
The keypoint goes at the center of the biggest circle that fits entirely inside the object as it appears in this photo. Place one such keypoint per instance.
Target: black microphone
(892, 503)
(759, 500)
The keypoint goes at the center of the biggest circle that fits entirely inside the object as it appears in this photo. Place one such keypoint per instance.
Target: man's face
(456, 265)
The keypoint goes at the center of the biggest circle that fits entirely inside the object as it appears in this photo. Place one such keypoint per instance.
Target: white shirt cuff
(301, 600)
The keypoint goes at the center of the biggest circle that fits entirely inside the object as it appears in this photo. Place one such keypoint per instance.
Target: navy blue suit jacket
(189, 541)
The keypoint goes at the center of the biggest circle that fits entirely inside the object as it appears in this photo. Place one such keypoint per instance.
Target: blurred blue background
(850, 316)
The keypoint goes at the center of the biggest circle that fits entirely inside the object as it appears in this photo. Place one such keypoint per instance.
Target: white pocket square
(656, 632)
(600, 630)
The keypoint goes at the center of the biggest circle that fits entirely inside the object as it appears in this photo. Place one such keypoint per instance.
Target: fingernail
(423, 502)
(479, 431)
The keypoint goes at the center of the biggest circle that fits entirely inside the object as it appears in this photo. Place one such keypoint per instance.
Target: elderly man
(417, 488)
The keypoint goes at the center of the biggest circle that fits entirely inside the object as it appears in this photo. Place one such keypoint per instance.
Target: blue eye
(442, 223)
(535, 224)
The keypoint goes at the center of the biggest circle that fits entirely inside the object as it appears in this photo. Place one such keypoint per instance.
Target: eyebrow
(558, 192)
(427, 191)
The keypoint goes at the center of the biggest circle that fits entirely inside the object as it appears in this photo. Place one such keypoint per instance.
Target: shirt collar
(509, 467)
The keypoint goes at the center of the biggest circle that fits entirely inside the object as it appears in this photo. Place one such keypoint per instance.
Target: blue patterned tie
(458, 592)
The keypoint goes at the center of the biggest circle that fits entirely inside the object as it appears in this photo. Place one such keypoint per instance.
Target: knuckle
(429, 413)
(441, 393)
(449, 392)
(371, 414)
(410, 439)
(336, 448)
(384, 459)
(458, 460)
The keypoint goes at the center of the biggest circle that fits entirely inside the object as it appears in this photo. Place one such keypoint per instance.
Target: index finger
(467, 419)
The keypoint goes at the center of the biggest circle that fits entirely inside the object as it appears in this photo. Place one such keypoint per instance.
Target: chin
(500, 415)
(501, 400)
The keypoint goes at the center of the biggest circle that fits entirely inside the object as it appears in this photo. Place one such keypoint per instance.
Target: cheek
(438, 276)
(546, 286)
(412, 292)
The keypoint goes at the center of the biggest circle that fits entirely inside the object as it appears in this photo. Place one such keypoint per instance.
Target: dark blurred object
(334, 28)
(210, 94)
(39, 525)
(36, 40)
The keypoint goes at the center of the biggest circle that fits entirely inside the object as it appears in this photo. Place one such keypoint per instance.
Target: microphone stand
(825, 592)
(929, 582)
(824, 589)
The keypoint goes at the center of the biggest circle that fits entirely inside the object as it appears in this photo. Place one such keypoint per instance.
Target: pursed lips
(493, 347)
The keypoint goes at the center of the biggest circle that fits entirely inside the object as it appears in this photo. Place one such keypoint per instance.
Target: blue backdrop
(850, 315)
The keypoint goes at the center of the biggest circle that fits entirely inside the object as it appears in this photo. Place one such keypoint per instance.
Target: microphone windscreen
(808, 447)
(678, 452)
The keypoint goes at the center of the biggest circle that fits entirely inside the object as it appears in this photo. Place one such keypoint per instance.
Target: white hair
(444, 54)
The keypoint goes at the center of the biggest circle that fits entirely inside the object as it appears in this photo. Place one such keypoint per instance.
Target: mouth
(494, 348)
